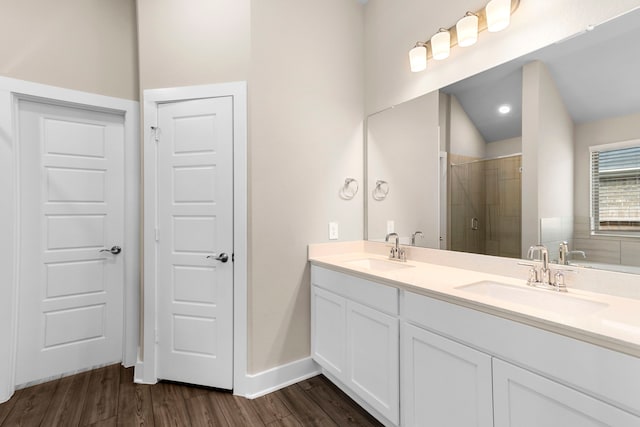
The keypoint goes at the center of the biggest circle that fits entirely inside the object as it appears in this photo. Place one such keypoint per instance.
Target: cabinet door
(373, 340)
(444, 383)
(524, 399)
(328, 324)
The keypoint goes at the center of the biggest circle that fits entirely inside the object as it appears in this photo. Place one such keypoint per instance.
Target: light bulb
(467, 30)
(441, 44)
(504, 109)
(498, 15)
(418, 58)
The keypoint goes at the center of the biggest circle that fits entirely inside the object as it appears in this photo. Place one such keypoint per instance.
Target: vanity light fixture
(467, 30)
(496, 16)
(441, 44)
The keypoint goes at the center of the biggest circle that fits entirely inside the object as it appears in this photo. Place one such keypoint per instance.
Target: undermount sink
(548, 300)
(378, 264)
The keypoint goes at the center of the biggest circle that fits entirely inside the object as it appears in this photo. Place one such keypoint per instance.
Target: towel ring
(381, 190)
(349, 189)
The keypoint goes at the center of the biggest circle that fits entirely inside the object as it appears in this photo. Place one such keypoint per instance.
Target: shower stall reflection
(485, 208)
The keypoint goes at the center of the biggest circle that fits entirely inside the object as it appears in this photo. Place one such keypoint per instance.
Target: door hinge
(157, 231)
(156, 336)
(156, 133)
(233, 257)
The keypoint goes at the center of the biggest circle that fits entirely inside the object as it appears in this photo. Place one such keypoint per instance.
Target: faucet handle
(533, 273)
(533, 276)
(558, 281)
(392, 252)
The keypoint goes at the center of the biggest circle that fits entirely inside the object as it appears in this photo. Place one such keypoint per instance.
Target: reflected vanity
(476, 179)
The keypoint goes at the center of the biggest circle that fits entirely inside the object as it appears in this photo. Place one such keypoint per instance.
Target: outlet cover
(391, 226)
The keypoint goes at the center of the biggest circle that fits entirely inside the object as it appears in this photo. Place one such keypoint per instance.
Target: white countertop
(615, 326)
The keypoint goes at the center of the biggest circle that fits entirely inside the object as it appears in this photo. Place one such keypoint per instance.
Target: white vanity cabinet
(456, 364)
(574, 384)
(444, 383)
(355, 338)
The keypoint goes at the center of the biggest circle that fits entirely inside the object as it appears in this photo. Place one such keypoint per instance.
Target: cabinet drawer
(375, 295)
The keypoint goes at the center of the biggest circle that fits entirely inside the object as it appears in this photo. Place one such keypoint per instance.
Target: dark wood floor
(109, 397)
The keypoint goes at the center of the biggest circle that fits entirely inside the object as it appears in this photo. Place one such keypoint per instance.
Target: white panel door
(195, 226)
(71, 209)
(524, 399)
(373, 360)
(444, 383)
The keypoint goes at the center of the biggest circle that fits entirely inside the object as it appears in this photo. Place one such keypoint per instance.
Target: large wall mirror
(543, 149)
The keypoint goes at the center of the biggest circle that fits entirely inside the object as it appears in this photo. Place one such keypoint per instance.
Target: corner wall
(403, 149)
(201, 42)
(306, 113)
(303, 64)
(464, 137)
(87, 45)
(547, 152)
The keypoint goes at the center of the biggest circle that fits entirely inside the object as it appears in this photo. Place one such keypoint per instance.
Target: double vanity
(443, 342)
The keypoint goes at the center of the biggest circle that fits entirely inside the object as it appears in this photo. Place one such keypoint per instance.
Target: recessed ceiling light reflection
(504, 109)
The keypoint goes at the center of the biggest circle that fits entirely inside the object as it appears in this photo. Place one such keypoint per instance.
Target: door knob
(115, 250)
(223, 257)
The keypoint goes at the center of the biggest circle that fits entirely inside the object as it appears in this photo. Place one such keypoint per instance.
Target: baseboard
(142, 377)
(6, 393)
(279, 377)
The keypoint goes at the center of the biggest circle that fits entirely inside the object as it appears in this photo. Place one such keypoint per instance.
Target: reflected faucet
(563, 251)
(413, 237)
(566, 254)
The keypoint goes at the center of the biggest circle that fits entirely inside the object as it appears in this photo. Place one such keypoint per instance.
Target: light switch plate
(391, 226)
(333, 230)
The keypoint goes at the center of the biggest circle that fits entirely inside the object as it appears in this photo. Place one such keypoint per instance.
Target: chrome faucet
(542, 278)
(413, 237)
(396, 252)
(544, 257)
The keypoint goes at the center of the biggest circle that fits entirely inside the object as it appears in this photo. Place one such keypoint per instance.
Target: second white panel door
(71, 203)
(195, 242)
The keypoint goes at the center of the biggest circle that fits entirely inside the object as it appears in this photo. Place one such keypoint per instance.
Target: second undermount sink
(376, 264)
(548, 300)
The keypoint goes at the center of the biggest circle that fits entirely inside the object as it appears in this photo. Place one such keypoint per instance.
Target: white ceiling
(597, 74)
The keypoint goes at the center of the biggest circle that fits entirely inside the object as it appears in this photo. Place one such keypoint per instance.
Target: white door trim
(11, 90)
(146, 367)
